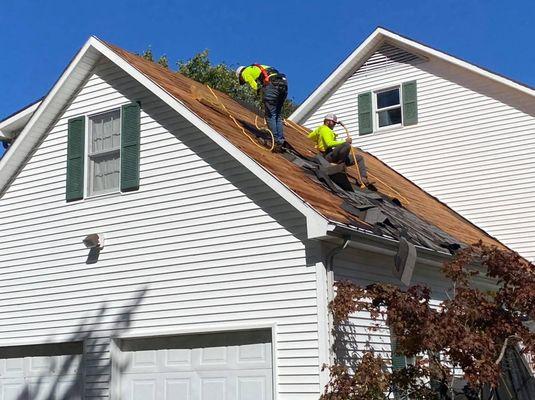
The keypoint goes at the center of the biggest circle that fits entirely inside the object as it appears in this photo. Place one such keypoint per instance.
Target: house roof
(429, 222)
(199, 99)
(370, 45)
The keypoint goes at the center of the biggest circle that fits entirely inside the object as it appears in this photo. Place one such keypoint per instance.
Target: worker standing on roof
(273, 87)
(334, 151)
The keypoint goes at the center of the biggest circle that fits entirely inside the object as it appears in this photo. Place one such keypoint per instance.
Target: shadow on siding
(96, 370)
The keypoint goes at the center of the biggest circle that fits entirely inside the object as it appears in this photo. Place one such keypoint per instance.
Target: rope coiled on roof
(241, 127)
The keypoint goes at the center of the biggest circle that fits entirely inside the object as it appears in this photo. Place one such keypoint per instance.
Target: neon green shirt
(251, 73)
(325, 138)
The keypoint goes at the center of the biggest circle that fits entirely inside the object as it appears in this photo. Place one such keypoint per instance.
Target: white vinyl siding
(361, 333)
(472, 148)
(202, 245)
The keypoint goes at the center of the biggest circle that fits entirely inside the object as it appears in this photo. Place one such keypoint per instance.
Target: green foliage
(221, 77)
(147, 54)
(163, 61)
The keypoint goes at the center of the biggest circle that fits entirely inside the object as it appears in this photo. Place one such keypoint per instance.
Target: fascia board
(362, 52)
(17, 120)
(317, 225)
(29, 137)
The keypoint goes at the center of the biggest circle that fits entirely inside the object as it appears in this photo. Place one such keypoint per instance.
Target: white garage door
(222, 366)
(50, 377)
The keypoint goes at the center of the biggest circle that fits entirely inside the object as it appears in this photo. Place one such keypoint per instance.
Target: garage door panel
(214, 388)
(213, 372)
(177, 358)
(43, 377)
(144, 360)
(252, 388)
(12, 391)
(144, 389)
(68, 389)
(41, 365)
(176, 388)
(254, 353)
(212, 356)
(12, 367)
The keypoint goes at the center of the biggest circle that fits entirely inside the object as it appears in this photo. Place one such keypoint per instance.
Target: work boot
(278, 148)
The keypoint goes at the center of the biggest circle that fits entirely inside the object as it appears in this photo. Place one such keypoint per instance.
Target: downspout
(330, 289)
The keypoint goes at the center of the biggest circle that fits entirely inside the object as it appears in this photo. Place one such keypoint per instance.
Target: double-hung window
(388, 108)
(393, 107)
(104, 153)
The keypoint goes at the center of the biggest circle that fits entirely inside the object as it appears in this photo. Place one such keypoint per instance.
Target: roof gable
(376, 41)
(388, 55)
(209, 111)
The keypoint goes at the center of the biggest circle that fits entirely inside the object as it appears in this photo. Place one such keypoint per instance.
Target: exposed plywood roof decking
(200, 100)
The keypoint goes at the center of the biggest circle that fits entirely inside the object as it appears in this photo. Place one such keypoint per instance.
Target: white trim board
(17, 120)
(370, 44)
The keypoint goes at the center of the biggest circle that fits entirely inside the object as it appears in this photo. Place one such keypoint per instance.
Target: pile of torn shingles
(386, 215)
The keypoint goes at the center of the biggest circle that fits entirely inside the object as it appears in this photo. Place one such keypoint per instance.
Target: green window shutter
(130, 147)
(75, 159)
(365, 113)
(410, 104)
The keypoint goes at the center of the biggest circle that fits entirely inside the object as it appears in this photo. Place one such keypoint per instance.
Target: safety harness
(265, 74)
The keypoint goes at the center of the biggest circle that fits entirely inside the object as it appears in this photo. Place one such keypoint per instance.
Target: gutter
(368, 241)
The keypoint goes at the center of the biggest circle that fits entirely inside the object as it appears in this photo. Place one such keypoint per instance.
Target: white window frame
(88, 181)
(377, 110)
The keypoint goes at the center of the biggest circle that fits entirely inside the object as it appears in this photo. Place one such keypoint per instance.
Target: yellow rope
(296, 126)
(362, 185)
(390, 187)
(241, 127)
(375, 177)
(291, 123)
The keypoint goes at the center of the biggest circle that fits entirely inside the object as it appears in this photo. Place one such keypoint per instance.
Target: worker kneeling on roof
(273, 87)
(334, 151)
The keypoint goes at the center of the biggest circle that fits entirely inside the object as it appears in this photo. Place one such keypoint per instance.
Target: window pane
(387, 98)
(105, 132)
(105, 173)
(389, 117)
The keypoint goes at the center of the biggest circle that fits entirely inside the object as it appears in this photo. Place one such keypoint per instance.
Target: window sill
(103, 196)
(386, 129)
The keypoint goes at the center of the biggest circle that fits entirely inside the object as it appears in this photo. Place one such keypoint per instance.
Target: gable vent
(388, 56)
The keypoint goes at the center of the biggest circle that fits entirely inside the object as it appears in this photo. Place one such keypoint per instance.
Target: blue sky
(304, 39)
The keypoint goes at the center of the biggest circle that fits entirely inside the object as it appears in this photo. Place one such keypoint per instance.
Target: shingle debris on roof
(398, 208)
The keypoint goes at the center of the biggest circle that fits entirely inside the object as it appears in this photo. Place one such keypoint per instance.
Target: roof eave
(368, 241)
(16, 122)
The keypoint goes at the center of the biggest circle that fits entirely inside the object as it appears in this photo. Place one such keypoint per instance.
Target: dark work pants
(342, 154)
(273, 96)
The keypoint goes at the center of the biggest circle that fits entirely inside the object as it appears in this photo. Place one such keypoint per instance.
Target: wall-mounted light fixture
(94, 241)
